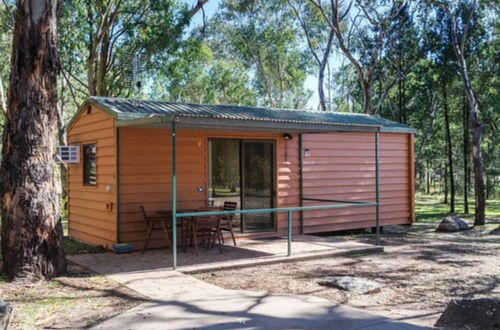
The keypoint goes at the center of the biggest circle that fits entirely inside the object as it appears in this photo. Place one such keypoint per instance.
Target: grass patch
(72, 246)
(431, 208)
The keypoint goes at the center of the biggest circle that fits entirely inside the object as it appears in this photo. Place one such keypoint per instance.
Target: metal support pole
(117, 188)
(377, 187)
(301, 183)
(174, 200)
(289, 233)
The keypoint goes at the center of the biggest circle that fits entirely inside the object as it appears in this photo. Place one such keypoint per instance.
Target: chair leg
(194, 237)
(230, 223)
(207, 237)
(165, 230)
(234, 239)
(184, 235)
(219, 235)
(148, 237)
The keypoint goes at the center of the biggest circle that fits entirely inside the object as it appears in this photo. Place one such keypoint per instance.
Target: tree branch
(199, 5)
(306, 32)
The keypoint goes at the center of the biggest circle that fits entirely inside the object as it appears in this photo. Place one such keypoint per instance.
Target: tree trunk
(449, 150)
(367, 97)
(428, 131)
(32, 238)
(445, 201)
(466, 154)
(428, 171)
(100, 84)
(321, 74)
(477, 128)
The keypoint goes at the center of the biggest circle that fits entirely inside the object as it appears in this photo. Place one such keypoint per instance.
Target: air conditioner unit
(68, 154)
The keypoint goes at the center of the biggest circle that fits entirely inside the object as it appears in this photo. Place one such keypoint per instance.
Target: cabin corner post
(411, 164)
(117, 182)
(174, 199)
(301, 183)
(377, 186)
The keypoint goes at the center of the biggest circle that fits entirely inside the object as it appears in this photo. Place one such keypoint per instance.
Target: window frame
(84, 164)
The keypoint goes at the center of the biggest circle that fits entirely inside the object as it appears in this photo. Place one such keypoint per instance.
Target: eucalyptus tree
(195, 74)
(319, 39)
(98, 57)
(439, 46)
(31, 235)
(400, 52)
(360, 28)
(461, 18)
(263, 37)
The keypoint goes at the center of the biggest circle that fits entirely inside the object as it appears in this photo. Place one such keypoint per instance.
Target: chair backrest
(229, 206)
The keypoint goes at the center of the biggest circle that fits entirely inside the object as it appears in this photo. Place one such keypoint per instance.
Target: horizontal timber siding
(342, 166)
(92, 210)
(145, 175)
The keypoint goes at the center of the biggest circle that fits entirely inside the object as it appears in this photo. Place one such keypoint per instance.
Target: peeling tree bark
(32, 238)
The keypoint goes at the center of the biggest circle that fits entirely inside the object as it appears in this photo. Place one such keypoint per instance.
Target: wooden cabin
(258, 157)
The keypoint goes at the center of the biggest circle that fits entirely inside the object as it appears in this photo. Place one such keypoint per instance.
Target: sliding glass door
(257, 183)
(242, 171)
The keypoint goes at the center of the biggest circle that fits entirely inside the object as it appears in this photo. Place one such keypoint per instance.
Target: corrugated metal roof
(123, 109)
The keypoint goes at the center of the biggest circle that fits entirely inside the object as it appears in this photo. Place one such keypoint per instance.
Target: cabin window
(89, 164)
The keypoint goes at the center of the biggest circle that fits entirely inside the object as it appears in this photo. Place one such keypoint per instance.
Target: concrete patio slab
(249, 252)
(180, 301)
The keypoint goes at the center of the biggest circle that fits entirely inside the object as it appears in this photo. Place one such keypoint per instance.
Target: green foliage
(431, 208)
(195, 75)
(150, 28)
(255, 52)
(261, 35)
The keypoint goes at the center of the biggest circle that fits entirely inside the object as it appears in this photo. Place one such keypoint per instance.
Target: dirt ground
(75, 301)
(420, 271)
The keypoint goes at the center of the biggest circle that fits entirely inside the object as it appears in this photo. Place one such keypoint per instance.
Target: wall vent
(68, 154)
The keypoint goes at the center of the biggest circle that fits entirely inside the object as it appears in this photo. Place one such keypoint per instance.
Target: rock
(495, 231)
(471, 314)
(452, 223)
(5, 313)
(356, 285)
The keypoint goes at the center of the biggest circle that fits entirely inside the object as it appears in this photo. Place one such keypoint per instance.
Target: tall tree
(461, 19)
(319, 41)
(360, 28)
(261, 35)
(465, 149)
(112, 34)
(194, 74)
(449, 150)
(32, 238)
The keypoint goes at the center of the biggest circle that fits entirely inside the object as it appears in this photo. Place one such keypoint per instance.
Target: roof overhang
(200, 122)
(238, 124)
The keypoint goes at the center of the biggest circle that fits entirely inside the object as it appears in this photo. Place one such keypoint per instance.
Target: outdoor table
(190, 224)
(184, 223)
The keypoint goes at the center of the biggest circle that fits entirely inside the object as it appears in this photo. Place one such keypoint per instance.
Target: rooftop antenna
(134, 78)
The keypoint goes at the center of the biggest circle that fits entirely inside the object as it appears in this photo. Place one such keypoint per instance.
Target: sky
(211, 8)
